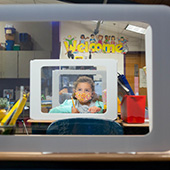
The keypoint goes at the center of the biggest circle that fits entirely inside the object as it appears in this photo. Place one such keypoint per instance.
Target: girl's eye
(86, 90)
(79, 90)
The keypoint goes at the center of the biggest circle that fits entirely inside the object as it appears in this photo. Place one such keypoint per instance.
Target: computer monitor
(104, 70)
(66, 79)
(157, 62)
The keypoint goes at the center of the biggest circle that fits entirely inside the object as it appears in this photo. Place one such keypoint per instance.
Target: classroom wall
(41, 33)
(44, 38)
(76, 29)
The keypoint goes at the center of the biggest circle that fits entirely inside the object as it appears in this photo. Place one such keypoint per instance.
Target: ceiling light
(95, 21)
(136, 29)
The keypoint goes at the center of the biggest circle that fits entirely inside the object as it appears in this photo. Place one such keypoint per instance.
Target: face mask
(83, 97)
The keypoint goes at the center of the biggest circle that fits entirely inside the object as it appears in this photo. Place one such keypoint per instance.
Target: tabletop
(114, 157)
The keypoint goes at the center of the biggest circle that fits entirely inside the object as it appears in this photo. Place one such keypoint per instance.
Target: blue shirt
(66, 107)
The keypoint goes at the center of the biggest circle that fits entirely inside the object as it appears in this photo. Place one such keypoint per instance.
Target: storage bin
(24, 37)
(9, 44)
(133, 109)
(16, 47)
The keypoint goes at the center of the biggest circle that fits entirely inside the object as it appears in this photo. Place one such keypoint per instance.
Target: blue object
(9, 44)
(66, 107)
(84, 126)
(10, 30)
(124, 81)
(24, 37)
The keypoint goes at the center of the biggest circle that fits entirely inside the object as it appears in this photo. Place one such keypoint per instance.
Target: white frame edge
(35, 88)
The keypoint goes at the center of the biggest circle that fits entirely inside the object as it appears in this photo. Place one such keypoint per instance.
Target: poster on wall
(105, 44)
(8, 93)
(142, 76)
(78, 41)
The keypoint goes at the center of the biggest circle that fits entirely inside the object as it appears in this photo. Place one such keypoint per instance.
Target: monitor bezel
(35, 88)
(56, 78)
(157, 17)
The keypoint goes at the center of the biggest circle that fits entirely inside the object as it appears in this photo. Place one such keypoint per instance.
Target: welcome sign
(95, 45)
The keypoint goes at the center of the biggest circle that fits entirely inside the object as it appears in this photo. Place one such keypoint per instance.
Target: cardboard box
(133, 109)
(10, 37)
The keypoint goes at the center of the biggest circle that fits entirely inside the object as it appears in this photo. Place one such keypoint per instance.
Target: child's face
(69, 37)
(83, 92)
(100, 37)
(82, 37)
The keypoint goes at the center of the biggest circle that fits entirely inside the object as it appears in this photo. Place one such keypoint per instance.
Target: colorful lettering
(106, 48)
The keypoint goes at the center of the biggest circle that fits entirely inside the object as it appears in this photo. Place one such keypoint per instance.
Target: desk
(88, 161)
(135, 128)
(50, 121)
(39, 121)
(113, 157)
(146, 124)
(39, 126)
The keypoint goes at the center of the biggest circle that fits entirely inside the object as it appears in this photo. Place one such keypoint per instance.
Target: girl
(100, 39)
(113, 40)
(82, 39)
(85, 99)
(92, 39)
(107, 38)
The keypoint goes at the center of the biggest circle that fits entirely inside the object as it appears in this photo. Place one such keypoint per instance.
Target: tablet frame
(35, 88)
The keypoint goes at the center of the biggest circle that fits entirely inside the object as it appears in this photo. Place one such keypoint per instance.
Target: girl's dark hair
(82, 35)
(86, 79)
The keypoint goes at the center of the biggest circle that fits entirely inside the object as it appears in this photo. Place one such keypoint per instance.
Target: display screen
(59, 89)
(120, 48)
(60, 85)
